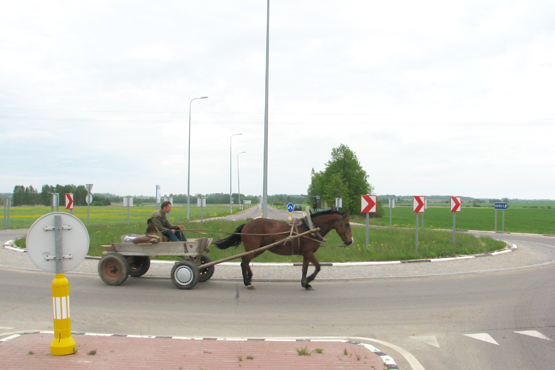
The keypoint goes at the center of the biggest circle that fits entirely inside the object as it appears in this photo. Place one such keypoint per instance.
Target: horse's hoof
(251, 287)
(309, 287)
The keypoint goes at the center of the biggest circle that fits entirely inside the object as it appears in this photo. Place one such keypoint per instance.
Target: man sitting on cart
(159, 220)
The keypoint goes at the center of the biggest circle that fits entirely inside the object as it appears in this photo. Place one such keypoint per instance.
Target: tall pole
(239, 182)
(265, 180)
(189, 157)
(230, 172)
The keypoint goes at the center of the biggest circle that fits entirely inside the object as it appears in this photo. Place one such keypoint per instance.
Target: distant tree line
(29, 196)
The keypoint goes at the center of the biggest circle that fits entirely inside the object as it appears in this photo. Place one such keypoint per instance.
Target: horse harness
(307, 222)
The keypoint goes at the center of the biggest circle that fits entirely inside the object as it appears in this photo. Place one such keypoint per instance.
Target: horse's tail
(231, 241)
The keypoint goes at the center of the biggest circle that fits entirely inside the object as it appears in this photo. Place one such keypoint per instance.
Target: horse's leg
(304, 283)
(307, 258)
(247, 272)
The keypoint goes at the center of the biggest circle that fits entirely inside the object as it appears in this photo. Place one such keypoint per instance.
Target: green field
(23, 217)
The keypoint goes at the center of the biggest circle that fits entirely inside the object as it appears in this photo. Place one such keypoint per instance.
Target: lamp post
(189, 157)
(238, 182)
(266, 89)
(230, 169)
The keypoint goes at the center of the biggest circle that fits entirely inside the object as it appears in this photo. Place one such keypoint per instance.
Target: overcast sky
(434, 97)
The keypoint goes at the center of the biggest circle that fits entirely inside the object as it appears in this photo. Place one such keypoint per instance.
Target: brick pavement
(32, 351)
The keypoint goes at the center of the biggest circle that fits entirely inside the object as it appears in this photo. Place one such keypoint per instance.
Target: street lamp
(189, 157)
(238, 182)
(230, 169)
(266, 89)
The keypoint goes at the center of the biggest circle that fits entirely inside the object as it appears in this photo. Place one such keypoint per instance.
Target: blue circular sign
(290, 207)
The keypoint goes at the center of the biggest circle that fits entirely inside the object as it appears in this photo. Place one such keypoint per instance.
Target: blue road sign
(290, 207)
(499, 205)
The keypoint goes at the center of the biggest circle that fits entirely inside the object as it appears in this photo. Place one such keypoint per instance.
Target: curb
(10, 244)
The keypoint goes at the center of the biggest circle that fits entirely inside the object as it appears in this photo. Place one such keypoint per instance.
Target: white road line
(533, 333)
(413, 362)
(431, 340)
(485, 337)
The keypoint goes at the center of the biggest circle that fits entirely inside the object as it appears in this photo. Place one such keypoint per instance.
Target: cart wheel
(205, 273)
(185, 274)
(138, 265)
(113, 269)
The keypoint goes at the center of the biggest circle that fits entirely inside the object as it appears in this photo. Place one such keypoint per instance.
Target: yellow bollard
(63, 344)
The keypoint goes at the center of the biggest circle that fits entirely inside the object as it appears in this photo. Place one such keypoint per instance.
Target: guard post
(368, 204)
(59, 253)
(455, 207)
(418, 206)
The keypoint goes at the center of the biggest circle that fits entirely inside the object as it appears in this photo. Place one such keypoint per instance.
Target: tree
(25, 196)
(343, 178)
(45, 197)
(335, 188)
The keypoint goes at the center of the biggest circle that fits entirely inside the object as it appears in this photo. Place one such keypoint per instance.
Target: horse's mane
(324, 213)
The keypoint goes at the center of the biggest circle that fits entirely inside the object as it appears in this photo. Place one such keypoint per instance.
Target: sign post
(201, 202)
(391, 206)
(7, 202)
(158, 198)
(455, 207)
(89, 200)
(128, 202)
(338, 203)
(503, 207)
(59, 253)
(418, 206)
(290, 209)
(368, 204)
(55, 202)
(69, 202)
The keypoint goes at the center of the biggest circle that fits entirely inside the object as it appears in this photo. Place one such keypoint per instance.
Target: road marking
(485, 337)
(431, 340)
(413, 362)
(9, 338)
(533, 333)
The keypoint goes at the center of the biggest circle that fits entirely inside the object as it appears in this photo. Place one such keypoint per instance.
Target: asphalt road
(494, 320)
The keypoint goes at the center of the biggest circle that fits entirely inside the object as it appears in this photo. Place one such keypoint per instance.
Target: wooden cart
(121, 260)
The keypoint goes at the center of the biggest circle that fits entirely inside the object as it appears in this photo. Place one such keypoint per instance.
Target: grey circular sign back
(41, 242)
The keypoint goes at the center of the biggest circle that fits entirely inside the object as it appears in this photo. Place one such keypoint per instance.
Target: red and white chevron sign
(456, 204)
(368, 203)
(69, 200)
(418, 204)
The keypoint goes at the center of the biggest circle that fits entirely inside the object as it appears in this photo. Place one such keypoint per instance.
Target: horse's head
(343, 228)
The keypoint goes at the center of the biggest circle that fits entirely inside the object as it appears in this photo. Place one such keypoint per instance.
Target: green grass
(385, 244)
(523, 220)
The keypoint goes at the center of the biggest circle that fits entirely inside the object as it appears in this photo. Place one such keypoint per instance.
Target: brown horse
(263, 231)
